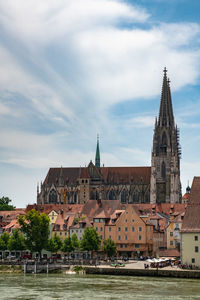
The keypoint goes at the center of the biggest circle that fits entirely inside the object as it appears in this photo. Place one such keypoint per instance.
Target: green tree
(54, 244)
(5, 204)
(16, 241)
(67, 245)
(75, 241)
(35, 227)
(4, 238)
(109, 247)
(91, 240)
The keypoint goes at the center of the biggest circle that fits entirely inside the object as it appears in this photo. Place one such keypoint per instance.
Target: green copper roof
(97, 157)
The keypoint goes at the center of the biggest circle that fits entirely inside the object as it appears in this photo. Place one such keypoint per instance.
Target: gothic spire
(97, 157)
(166, 117)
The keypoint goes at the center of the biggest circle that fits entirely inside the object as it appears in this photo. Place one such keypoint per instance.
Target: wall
(188, 248)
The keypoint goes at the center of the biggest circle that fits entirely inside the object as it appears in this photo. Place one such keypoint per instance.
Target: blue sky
(73, 68)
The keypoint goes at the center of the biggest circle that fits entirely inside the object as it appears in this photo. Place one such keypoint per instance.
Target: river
(56, 286)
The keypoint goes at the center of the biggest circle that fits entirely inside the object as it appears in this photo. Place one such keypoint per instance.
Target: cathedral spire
(97, 157)
(166, 117)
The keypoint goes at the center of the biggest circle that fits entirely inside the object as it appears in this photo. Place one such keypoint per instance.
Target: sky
(72, 69)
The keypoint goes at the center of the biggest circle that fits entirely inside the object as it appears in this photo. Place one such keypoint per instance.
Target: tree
(54, 244)
(75, 241)
(67, 245)
(16, 241)
(4, 204)
(4, 238)
(36, 230)
(109, 247)
(91, 240)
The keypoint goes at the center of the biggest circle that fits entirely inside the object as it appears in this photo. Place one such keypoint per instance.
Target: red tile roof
(110, 174)
(169, 253)
(191, 222)
(195, 191)
(126, 174)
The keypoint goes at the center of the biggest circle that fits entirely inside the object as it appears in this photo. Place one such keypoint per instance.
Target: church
(158, 183)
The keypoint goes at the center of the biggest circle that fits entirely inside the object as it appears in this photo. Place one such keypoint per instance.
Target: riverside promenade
(137, 269)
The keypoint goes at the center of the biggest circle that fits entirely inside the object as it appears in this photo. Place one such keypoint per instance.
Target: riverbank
(11, 269)
(137, 269)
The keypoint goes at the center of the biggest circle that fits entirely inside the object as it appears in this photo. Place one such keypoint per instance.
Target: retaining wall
(144, 272)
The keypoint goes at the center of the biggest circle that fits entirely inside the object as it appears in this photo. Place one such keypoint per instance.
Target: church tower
(165, 162)
(97, 157)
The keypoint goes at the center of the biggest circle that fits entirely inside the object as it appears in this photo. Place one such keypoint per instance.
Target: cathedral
(158, 183)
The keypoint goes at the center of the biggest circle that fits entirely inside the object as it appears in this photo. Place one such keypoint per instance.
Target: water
(26, 287)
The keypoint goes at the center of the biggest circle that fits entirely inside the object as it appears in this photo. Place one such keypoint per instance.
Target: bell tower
(165, 162)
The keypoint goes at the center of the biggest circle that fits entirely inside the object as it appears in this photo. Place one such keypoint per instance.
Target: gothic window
(53, 196)
(135, 197)
(68, 197)
(147, 198)
(164, 143)
(163, 170)
(123, 196)
(75, 197)
(92, 195)
(111, 195)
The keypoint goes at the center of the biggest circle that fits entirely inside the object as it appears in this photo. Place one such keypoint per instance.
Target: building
(190, 232)
(165, 163)
(132, 233)
(159, 183)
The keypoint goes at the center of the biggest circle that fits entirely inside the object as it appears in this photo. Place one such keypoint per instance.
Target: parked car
(11, 257)
(28, 256)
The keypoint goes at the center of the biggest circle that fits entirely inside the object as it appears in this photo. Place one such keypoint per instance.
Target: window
(60, 233)
(171, 243)
(101, 228)
(196, 249)
(109, 236)
(126, 237)
(119, 228)
(101, 237)
(121, 245)
(133, 220)
(109, 229)
(123, 196)
(163, 170)
(125, 246)
(196, 238)
(126, 221)
(96, 229)
(140, 229)
(133, 228)
(193, 260)
(126, 229)
(119, 237)
(137, 245)
(140, 237)
(171, 233)
(52, 196)
(127, 212)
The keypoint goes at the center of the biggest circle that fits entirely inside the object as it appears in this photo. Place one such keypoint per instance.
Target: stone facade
(159, 183)
(165, 163)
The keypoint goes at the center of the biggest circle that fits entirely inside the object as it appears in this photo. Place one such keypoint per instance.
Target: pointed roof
(166, 117)
(97, 157)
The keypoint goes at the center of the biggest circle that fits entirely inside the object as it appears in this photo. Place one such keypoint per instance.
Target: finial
(97, 137)
(168, 81)
(165, 70)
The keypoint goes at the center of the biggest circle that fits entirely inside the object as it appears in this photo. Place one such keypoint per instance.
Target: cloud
(65, 64)
(141, 122)
(39, 21)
